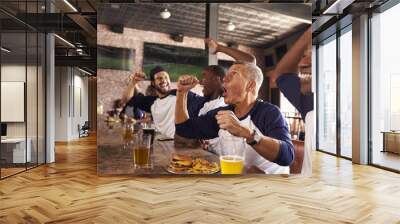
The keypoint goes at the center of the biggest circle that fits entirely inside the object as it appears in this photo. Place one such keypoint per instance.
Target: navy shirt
(289, 85)
(266, 117)
(194, 104)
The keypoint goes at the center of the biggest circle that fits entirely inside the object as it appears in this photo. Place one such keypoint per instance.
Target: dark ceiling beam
(17, 19)
(91, 5)
(84, 24)
(88, 29)
(49, 22)
(82, 61)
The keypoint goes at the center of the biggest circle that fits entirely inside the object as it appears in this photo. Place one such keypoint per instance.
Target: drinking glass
(141, 150)
(127, 132)
(232, 154)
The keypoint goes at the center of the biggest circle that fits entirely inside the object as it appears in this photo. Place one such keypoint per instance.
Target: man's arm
(290, 61)
(275, 144)
(181, 112)
(185, 84)
(203, 127)
(195, 103)
(131, 88)
(141, 102)
(238, 55)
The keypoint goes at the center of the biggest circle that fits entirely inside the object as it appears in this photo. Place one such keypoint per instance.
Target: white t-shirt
(309, 144)
(163, 113)
(211, 105)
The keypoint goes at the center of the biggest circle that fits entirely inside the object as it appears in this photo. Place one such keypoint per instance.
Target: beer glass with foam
(232, 154)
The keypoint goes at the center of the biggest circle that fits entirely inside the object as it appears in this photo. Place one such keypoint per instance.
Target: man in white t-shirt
(161, 106)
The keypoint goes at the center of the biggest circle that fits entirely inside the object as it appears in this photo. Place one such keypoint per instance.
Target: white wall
(15, 73)
(70, 83)
(62, 78)
(79, 117)
(33, 127)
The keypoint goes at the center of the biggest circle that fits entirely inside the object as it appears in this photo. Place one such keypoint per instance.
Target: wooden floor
(10, 171)
(387, 159)
(69, 191)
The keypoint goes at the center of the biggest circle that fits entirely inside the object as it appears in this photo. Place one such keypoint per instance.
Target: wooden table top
(114, 159)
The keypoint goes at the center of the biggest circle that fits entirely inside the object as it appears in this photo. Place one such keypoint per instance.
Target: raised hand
(228, 121)
(212, 45)
(186, 83)
(136, 77)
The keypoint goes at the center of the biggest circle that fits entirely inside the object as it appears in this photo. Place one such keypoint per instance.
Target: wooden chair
(297, 164)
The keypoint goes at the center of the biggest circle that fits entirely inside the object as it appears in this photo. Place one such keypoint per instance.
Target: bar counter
(114, 159)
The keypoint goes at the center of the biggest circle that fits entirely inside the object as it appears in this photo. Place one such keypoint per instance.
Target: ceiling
(76, 26)
(257, 24)
(204, 1)
(38, 6)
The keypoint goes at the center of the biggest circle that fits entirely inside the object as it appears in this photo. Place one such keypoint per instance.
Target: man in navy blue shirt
(162, 105)
(292, 75)
(262, 125)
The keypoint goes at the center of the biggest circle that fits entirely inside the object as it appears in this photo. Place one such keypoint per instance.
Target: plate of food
(186, 164)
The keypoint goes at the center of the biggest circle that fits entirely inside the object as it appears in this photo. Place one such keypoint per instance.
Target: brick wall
(111, 83)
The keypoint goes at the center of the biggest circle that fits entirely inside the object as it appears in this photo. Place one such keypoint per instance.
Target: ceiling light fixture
(70, 5)
(79, 51)
(5, 50)
(65, 41)
(165, 14)
(230, 26)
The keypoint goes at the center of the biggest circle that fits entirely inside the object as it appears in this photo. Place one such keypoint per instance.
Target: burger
(181, 162)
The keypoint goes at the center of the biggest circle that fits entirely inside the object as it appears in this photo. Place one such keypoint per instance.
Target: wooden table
(113, 159)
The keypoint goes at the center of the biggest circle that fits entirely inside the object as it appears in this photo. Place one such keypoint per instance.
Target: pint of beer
(232, 154)
(141, 151)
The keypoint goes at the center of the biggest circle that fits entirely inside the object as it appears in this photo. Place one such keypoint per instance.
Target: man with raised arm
(292, 75)
(269, 147)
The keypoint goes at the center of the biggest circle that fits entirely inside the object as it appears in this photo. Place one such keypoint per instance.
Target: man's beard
(162, 90)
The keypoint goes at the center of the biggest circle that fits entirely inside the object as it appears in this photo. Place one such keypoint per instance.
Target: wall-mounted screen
(115, 58)
(176, 60)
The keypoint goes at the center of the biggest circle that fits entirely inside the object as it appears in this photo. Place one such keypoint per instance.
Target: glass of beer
(232, 154)
(127, 133)
(141, 150)
(148, 128)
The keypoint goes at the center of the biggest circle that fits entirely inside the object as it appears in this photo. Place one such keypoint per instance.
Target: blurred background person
(292, 75)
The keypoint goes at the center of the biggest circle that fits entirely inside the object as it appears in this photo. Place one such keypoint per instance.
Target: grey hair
(253, 73)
